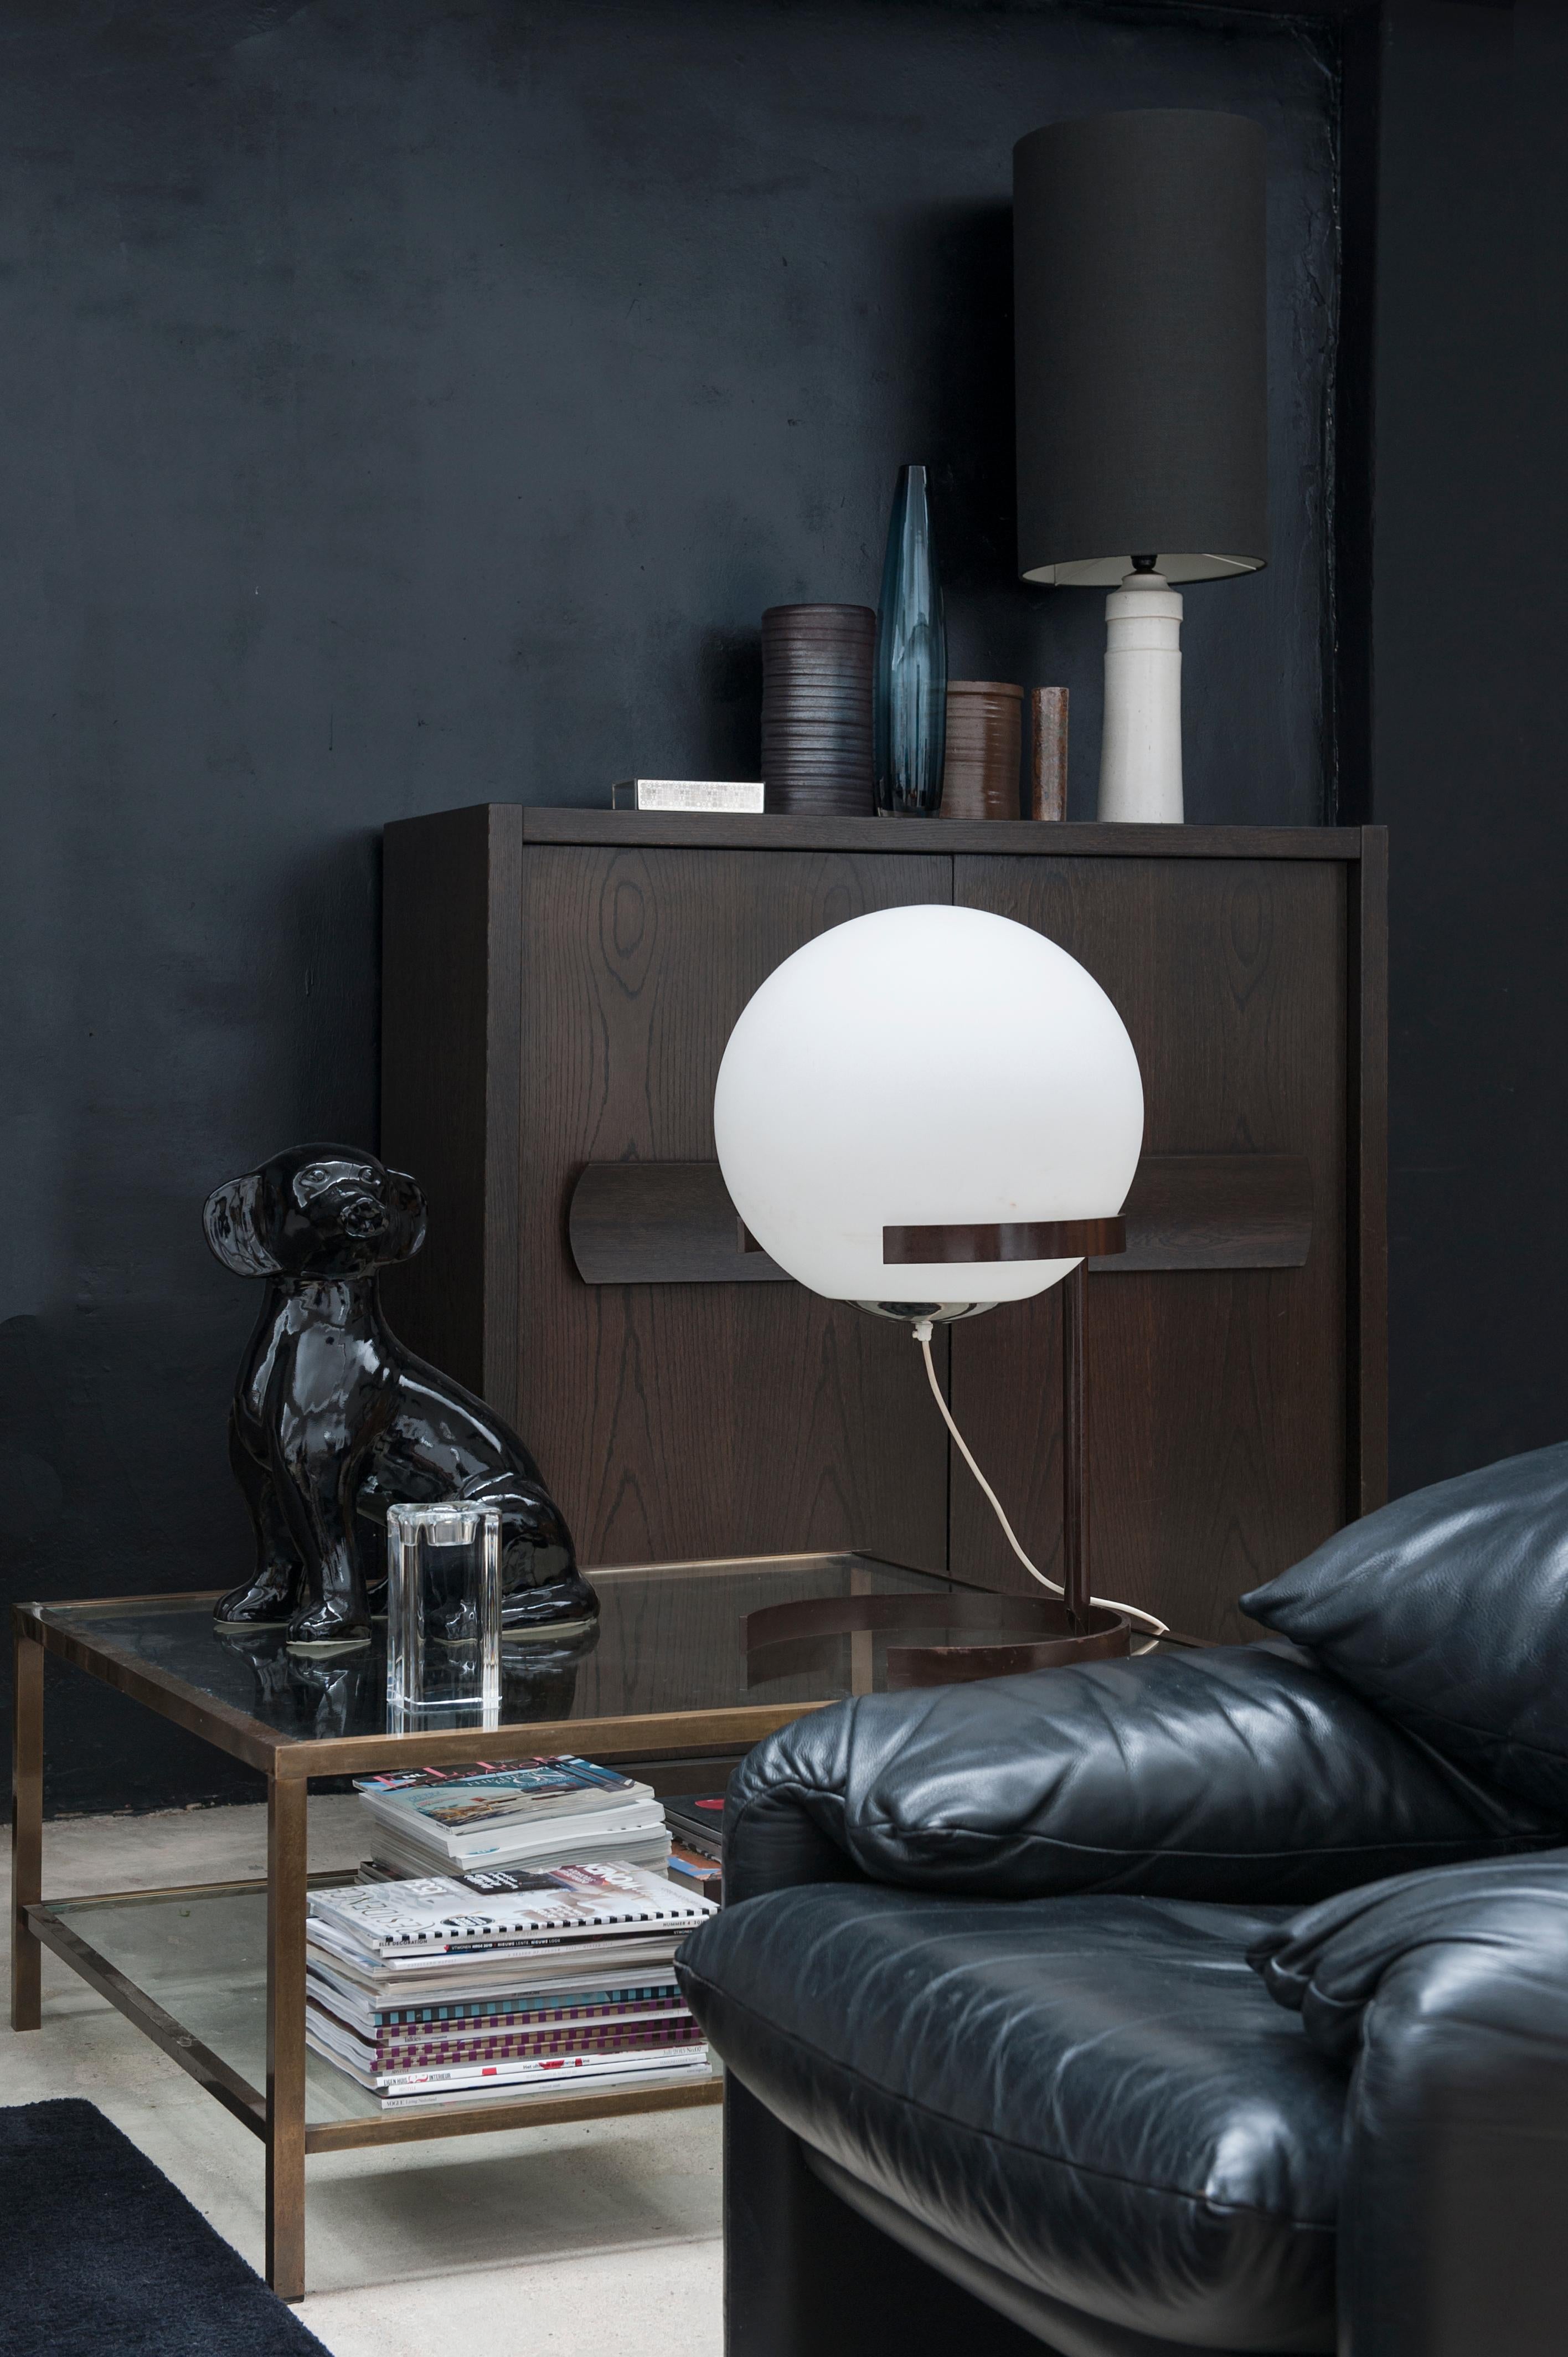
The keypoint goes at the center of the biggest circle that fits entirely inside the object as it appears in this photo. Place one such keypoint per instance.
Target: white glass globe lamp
(926, 1067)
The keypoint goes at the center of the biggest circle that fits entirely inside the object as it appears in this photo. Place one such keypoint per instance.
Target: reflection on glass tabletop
(669, 1639)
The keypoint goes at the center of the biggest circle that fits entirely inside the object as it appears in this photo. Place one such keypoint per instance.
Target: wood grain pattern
(673, 1419)
(1237, 1368)
(662, 1223)
(451, 996)
(435, 961)
(1217, 1400)
(1366, 1295)
(935, 837)
(1215, 1211)
(1047, 763)
(502, 1338)
(673, 1223)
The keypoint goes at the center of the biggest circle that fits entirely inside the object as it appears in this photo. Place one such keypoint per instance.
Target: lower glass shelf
(201, 1955)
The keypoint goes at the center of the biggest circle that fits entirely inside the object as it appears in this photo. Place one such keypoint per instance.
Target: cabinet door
(692, 1420)
(1216, 1398)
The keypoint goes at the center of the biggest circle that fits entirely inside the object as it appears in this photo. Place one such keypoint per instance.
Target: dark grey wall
(1471, 540)
(410, 403)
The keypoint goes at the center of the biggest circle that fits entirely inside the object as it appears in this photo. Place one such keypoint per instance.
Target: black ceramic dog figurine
(333, 1420)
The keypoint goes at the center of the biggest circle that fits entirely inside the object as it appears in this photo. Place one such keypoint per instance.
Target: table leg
(26, 1828)
(286, 1801)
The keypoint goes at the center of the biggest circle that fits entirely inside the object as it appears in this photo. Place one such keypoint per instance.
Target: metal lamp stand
(1074, 1629)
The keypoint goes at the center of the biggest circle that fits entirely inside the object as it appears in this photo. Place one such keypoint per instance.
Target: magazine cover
(444, 1912)
(397, 1851)
(520, 2011)
(632, 2035)
(457, 1828)
(698, 1818)
(482, 2077)
(536, 1785)
(434, 1976)
(572, 2023)
(562, 1765)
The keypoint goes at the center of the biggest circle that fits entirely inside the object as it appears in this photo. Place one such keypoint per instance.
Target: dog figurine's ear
(232, 1219)
(405, 1217)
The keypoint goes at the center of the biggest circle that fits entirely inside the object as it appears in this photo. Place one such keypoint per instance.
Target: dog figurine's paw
(328, 1627)
(266, 1602)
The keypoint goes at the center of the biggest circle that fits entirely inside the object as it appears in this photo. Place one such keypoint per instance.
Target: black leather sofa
(1212, 2000)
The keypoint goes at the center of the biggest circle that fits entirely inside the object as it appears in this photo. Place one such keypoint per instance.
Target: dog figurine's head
(315, 1211)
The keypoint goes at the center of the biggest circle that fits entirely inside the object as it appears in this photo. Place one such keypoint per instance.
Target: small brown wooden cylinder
(985, 728)
(1048, 799)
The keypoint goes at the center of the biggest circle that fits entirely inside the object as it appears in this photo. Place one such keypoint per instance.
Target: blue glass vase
(910, 700)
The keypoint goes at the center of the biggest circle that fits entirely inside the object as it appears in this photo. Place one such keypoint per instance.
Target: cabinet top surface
(702, 830)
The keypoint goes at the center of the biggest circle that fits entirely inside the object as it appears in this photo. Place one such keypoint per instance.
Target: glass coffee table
(215, 1974)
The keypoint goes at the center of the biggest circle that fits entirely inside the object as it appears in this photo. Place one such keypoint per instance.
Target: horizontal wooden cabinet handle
(673, 1223)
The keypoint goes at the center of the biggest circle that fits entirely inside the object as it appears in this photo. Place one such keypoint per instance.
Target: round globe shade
(924, 1066)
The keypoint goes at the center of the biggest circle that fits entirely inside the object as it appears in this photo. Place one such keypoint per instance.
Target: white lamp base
(1140, 754)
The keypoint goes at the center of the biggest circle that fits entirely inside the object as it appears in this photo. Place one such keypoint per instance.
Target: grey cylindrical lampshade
(1139, 276)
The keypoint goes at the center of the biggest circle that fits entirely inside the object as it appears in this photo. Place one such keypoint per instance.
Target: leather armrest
(781, 1835)
(1495, 1929)
(1449, 1993)
(1237, 1773)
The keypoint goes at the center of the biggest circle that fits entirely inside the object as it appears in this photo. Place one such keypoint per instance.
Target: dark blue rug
(103, 2257)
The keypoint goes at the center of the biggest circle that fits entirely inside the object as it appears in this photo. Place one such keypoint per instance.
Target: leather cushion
(1448, 1611)
(1095, 2096)
(1243, 1773)
(1508, 1916)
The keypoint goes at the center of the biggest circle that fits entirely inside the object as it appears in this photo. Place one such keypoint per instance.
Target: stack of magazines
(696, 1843)
(538, 1813)
(447, 1987)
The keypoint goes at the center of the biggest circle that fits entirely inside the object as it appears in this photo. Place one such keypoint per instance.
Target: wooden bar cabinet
(558, 987)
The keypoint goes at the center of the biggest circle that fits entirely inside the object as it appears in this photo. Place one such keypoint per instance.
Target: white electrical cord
(923, 1336)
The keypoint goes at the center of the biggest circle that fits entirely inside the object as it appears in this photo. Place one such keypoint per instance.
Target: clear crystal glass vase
(443, 1608)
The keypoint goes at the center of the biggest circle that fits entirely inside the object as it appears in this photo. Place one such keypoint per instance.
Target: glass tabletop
(671, 1638)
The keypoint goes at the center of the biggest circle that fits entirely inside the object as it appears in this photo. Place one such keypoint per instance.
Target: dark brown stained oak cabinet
(558, 989)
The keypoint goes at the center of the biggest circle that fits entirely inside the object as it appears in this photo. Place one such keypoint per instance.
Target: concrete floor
(602, 2238)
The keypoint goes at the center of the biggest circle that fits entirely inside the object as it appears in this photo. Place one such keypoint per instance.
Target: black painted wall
(1471, 601)
(409, 403)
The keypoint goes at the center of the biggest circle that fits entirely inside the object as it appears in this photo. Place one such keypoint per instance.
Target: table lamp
(1139, 278)
(928, 1111)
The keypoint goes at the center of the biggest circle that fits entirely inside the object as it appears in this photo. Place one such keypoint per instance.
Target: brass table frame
(277, 2114)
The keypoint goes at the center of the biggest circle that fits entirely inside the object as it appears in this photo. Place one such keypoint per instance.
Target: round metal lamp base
(1020, 1632)
(1097, 1635)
